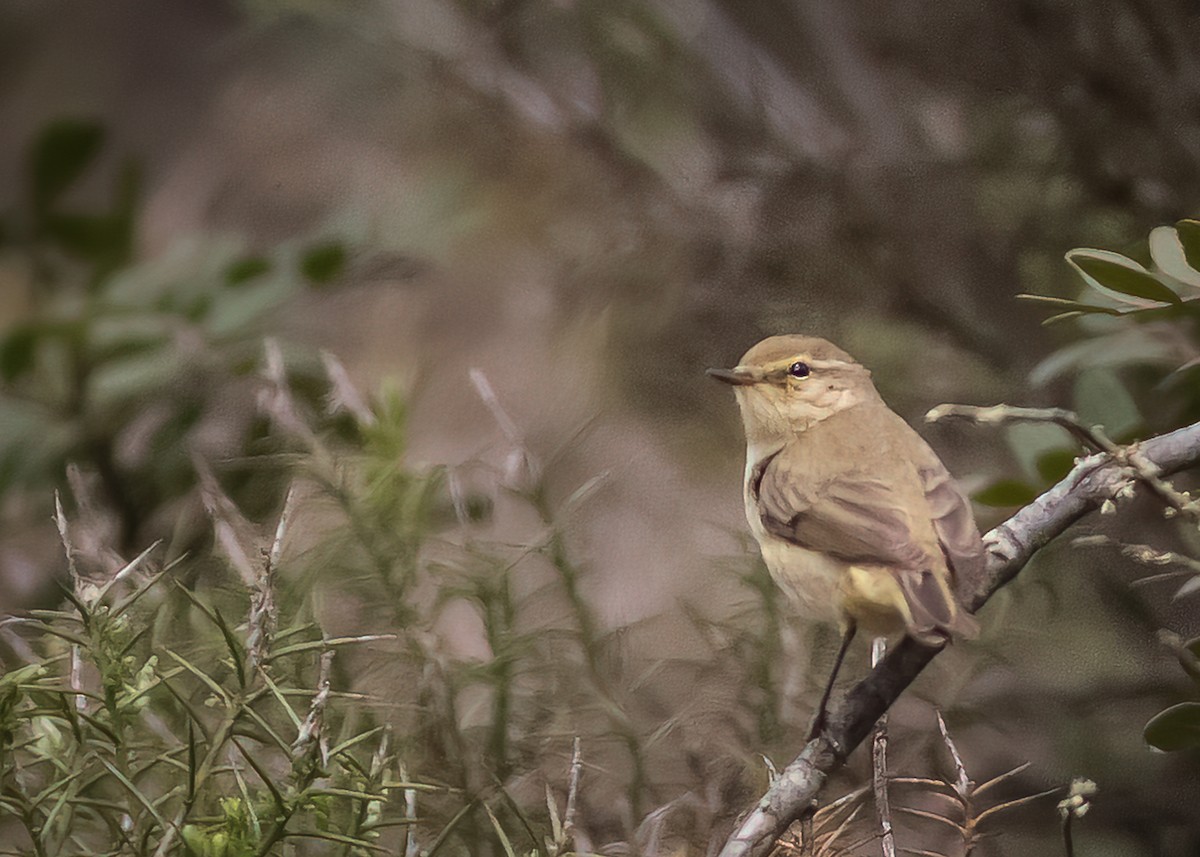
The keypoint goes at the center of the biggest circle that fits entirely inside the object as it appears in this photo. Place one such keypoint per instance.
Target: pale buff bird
(857, 518)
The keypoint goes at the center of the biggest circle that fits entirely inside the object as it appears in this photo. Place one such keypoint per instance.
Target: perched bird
(857, 518)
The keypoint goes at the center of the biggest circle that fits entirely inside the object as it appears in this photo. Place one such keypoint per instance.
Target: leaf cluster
(114, 364)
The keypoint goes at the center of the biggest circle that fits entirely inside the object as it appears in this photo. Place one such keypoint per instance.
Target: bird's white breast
(810, 579)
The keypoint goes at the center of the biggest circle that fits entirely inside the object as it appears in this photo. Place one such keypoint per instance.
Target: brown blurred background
(593, 201)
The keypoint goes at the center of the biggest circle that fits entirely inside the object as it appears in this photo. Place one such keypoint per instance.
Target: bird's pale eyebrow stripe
(829, 364)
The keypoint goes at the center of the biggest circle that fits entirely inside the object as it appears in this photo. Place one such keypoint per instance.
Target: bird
(858, 520)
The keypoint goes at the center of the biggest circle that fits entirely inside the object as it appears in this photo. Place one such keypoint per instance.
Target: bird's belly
(809, 579)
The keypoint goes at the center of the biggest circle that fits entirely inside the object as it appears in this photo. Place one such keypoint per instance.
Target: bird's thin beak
(738, 376)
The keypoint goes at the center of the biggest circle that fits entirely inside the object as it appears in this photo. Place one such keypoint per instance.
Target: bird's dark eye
(798, 370)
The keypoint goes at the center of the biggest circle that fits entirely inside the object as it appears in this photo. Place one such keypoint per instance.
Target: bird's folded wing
(953, 520)
(855, 517)
(862, 519)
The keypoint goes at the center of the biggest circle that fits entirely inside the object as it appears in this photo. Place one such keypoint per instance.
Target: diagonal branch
(1010, 547)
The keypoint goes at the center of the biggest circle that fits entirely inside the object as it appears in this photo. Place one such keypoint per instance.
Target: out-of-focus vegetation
(590, 202)
(1141, 317)
(116, 368)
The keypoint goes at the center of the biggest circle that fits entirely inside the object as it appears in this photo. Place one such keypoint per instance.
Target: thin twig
(883, 809)
(999, 414)
(1094, 437)
(573, 790)
(281, 529)
(962, 786)
(311, 735)
(64, 534)
(411, 846)
(343, 395)
(522, 467)
(962, 782)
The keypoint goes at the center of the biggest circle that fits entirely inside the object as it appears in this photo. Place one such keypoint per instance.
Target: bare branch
(883, 807)
(1010, 547)
(998, 414)
(1144, 470)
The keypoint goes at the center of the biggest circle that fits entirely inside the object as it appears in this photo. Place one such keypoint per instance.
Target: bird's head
(785, 384)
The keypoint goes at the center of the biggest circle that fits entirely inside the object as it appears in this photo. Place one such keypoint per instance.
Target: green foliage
(1178, 726)
(1131, 367)
(246, 269)
(143, 741)
(203, 703)
(1145, 352)
(203, 706)
(323, 263)
(117, 364)
(1134, 364)
(1006, 492)
(63, 152)
(1119, 277)
(1125, 287)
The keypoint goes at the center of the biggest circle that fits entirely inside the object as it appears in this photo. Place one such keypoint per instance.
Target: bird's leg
(820, 717)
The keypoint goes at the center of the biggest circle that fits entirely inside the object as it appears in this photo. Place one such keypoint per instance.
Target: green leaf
(84, 236)
(1006, 492)
(1134, 345)
(268, 780)
(1030, 441)
(1176, 728)
(1055, 464)
(18, 353)
(357, 739)
(505, 842)
(1189, 658)
(21, 675)
(340, 839)
(268, 730)
(1062, 316)
(104, 241)
(63, 151)
(234, 645)
(322, 263)
(204, 677)
(246, 269)
(1167, 251)
(444, 836)
(1190, 587)
(1189, 236)
(1101, 399)
(135, 791)
(1125, 277)
(191, 760)
(1074, 307)
(312, 645)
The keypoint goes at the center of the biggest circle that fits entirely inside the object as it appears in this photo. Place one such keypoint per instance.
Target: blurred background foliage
(588, 203)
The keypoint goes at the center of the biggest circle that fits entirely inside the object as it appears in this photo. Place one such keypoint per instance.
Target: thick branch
(1010, 547)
